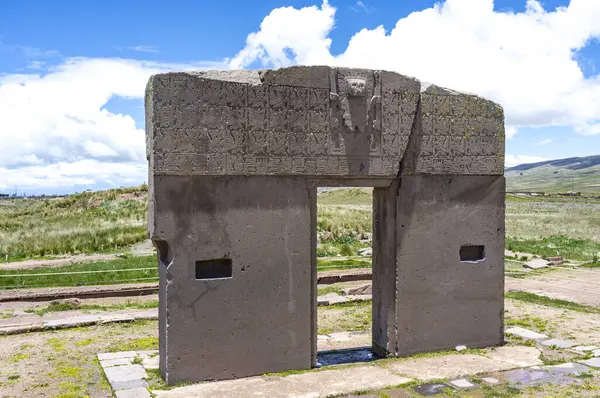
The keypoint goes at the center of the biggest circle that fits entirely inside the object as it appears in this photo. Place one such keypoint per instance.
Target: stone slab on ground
(109, 363)
(447, 366)
(596, 353)
(567, 368)
(126, 377)
(558, 343)
(585, 348)
(105, 356)
(593, 362)
(431, 389)
(462, 383)
(536, 263)
(490, 380)
(358, 290)
(314, 384)
(526, 333)
(138, 392)
(71, 322)
(519, 356)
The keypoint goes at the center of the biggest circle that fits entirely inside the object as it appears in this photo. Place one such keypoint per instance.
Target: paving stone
(127, 376)
(22, 328)
(585, 348)
(319, 384)
(596, 353)
(114, 355)
(151, 362)
(128, 384)
(536, 263)
(520, 356)
(71, 322)
(138, 392)
(593, 362)
(490, 380)
(526, 333)
(398, 393)
(358, 290)
(558, 343)
(116, 362)
(431, 389)
(526, 377)
(462, 383)
(147, 353)
(149, 314)
(567, 368)
(331, 298)
(447, 366)
(117, 318)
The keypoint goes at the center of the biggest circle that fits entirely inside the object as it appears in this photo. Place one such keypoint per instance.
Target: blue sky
(72, 73)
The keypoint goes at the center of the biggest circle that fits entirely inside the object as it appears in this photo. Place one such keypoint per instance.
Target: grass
(89, 222)
(550, 302)
(87, 307)
(570, 248)
(62, 276)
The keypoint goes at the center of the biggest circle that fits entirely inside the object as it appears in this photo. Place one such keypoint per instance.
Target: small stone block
(536, 263)
(567, 368)
(462, 383)
(117, 318)
(109, 363)
(431, 389)
(490, 380)
(559, 343)
(138, 392)
(526, 334)
(585, 348)
(127, 376)
(128, 384)
(116, 355)
(398, 393)
(593, 362)
(596, 353)
(71, 322)
(150, 362)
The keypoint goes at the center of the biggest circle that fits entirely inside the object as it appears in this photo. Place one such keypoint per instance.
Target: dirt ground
(578, 285)
(63, 363)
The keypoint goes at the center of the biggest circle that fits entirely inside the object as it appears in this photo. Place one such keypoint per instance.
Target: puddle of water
(339, 357)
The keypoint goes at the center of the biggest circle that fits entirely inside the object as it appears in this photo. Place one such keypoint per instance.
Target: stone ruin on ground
(235, 159)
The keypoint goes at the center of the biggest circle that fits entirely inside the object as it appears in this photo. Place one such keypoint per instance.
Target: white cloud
(544, 142)
(303, 32)
(510, 132)
(526, 61)
(63, 176)
(55, 131)
(515, 160)
(144, 49)
(361, 6)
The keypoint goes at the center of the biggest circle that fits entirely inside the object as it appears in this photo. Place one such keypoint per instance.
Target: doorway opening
(344, 252)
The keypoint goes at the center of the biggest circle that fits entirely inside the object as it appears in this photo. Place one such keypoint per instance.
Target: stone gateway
(235, 159)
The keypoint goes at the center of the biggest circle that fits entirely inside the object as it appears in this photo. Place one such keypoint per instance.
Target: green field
(90, 222)
(113, 220)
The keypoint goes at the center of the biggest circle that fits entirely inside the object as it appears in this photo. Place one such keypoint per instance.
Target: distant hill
(552, 176)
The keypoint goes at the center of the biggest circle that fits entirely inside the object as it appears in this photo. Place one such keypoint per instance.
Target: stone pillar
(238, 281)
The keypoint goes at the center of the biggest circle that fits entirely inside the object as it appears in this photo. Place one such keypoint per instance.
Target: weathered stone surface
(462, 383)
(464, 298)
(235, 158)
(139, 392)
(116, 362)
(536, 263)
(127, 376)
(447, 366)
(558, 343)
(520, 356)
(324, 383)
(567, 368)
(585, 348)
(526, 334)
(358, 290)
(593, 362)
(105, 356)
(317, 121)
(490, 380)
(70, 322)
